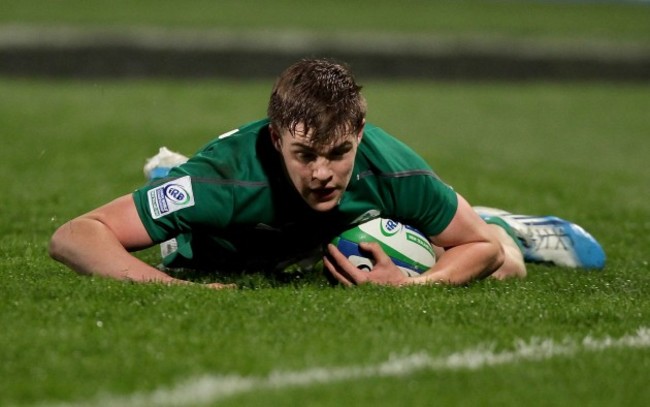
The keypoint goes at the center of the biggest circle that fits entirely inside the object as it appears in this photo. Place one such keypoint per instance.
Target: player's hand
(384, 271)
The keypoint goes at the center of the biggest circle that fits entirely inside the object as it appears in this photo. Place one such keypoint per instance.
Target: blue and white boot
(549, 239)
(160, 164)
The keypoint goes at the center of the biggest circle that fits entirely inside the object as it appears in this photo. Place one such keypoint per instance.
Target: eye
(339, 152)
(306, 156)
(336, 155)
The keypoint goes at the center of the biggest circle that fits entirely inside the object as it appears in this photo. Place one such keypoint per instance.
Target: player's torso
(246, 204)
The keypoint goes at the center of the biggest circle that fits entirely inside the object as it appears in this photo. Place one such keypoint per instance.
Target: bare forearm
(87, 246)
(463, 264)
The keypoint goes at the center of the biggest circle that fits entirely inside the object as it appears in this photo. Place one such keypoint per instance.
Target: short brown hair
(321, 94)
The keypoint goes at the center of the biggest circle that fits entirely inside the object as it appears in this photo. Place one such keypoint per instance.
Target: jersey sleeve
(412, 192)
(190, 197)
(222, 185)
(427, 203)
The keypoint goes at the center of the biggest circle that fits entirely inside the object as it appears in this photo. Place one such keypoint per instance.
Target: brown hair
(321, 94)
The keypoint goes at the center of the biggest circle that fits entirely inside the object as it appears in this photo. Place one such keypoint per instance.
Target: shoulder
(386, 153)
(396, 173)
(235, 155)
(246, 135)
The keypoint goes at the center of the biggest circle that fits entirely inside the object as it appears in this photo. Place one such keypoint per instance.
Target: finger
(334, 272)
(385, 270)
(375, 250)
(355, 275)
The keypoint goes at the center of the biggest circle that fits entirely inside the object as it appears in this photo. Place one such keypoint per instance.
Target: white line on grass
(209, 389)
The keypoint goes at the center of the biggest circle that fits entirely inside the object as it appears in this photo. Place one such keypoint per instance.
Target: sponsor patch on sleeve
(170, 197)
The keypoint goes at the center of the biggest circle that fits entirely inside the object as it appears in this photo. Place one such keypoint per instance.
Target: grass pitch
(560, 20)
(575, 150)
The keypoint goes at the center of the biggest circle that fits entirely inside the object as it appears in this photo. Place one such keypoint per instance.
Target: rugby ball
(409, 249)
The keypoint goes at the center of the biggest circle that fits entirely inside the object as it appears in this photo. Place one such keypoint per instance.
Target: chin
(323, 206)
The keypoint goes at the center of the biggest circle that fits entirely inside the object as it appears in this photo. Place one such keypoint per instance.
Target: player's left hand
(384, 271)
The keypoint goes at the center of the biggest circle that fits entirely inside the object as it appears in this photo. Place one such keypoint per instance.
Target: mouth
(323, 194)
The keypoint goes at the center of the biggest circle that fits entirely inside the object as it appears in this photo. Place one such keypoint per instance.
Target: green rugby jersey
(232, 202)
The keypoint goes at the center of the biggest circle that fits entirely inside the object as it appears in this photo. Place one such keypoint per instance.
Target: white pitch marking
(208, 389)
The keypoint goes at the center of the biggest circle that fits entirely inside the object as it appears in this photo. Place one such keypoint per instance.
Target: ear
(360, 133)
(275, 138)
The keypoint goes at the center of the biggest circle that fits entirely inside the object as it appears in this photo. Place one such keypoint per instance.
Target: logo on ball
(389, 227)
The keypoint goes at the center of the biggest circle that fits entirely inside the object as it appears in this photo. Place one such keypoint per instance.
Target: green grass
(521, 19)
(576, 150)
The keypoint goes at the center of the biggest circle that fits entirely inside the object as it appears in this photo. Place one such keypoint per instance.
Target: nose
(321, 170)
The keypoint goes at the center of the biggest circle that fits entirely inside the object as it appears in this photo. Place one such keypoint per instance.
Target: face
(319, 174)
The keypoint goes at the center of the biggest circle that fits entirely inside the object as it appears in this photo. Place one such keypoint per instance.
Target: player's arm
(99, 242)
(471, 252)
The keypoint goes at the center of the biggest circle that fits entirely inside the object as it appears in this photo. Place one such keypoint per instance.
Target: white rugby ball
(407, 247)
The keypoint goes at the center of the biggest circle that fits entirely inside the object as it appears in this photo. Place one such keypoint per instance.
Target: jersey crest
(170, 197)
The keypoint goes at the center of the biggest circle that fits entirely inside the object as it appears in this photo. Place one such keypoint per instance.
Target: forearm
(465, 263)
(88, 246)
